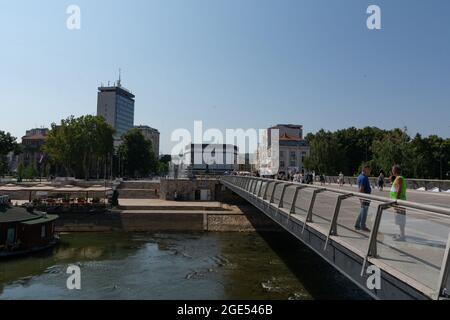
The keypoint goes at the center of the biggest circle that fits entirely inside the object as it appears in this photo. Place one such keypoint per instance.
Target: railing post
(444, 277)
(252, 183)
(247, 184)
(272, 200)
(280, 204)
(311, 207)
(372, 249)
(333, 225)
(294, 200)
(260, 188)
(311, 204)
(255, 186)
(265, 191)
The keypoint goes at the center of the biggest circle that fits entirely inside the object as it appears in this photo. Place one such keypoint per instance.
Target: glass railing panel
(289, 196)
(420, 252)
(278, 191)
(348, 215)
(302, 204)
(323, 209)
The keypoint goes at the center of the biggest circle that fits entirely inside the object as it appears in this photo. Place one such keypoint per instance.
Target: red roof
(286, 137)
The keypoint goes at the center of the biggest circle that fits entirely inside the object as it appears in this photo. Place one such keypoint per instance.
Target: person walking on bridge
(363, 187)
(398, 192)
(380, 181)
(341, 179)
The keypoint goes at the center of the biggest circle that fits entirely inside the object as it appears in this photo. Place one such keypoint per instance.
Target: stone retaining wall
(145, 221)
(187, 190)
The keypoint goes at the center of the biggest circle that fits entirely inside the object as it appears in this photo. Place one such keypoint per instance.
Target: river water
(176, 266)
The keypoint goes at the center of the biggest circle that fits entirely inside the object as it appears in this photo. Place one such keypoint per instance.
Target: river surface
(176, 266)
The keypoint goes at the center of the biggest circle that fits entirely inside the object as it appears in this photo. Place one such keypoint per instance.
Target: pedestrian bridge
(324, 218)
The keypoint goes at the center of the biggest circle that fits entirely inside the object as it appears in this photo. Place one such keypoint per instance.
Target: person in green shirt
(398, 192)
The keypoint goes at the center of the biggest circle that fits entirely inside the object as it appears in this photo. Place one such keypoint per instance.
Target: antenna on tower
(120, 78)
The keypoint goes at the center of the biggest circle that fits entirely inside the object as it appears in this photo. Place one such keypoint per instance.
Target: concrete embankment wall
(188, 190)
(25, 195)
(139, 190)
(245, 220)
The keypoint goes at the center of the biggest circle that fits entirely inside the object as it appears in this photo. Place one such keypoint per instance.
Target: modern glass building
(116, 105)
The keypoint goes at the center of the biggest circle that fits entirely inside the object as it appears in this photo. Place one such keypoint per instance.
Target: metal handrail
(411, 183)
(413, 205)
(387, 179)
(443, 287)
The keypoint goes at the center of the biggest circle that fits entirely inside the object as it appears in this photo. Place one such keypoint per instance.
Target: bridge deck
(441, 199)
(418, 260)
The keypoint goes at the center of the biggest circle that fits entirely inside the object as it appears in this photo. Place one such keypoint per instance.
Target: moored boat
(24, 231)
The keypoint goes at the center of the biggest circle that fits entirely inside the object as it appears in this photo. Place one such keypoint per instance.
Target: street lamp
(441, 155)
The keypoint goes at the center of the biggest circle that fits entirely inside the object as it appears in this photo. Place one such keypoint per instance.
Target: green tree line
(347, 150)
(79, 146)
(8, 144)
(84, 148)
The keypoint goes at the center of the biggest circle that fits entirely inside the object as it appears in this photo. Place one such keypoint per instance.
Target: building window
(43, 233)
(293, 156)
(11, 236)
(282, 163)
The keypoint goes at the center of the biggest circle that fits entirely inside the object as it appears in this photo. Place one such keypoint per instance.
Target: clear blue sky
(230, 63)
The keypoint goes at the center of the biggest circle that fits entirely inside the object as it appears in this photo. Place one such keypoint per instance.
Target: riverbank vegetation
(347, 149)
(7, 144)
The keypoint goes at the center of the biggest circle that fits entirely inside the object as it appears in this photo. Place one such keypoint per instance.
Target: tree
(326, 154)
(163, 164)
(347, 149)
(30, 172)
(342, 151)
(7, 144)
(79, 143)
(137, 154)
(393, 148)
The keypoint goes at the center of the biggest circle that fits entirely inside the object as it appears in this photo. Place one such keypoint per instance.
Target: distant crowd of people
(302, 177)
(397, 191)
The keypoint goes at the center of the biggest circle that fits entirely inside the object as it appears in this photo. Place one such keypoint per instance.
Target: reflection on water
(176, 266)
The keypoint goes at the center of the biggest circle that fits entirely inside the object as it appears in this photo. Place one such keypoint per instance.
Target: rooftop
(118, 89)
(18, 214)
(146, 128)
(292, 126)
(287, 137)
(34, 137)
